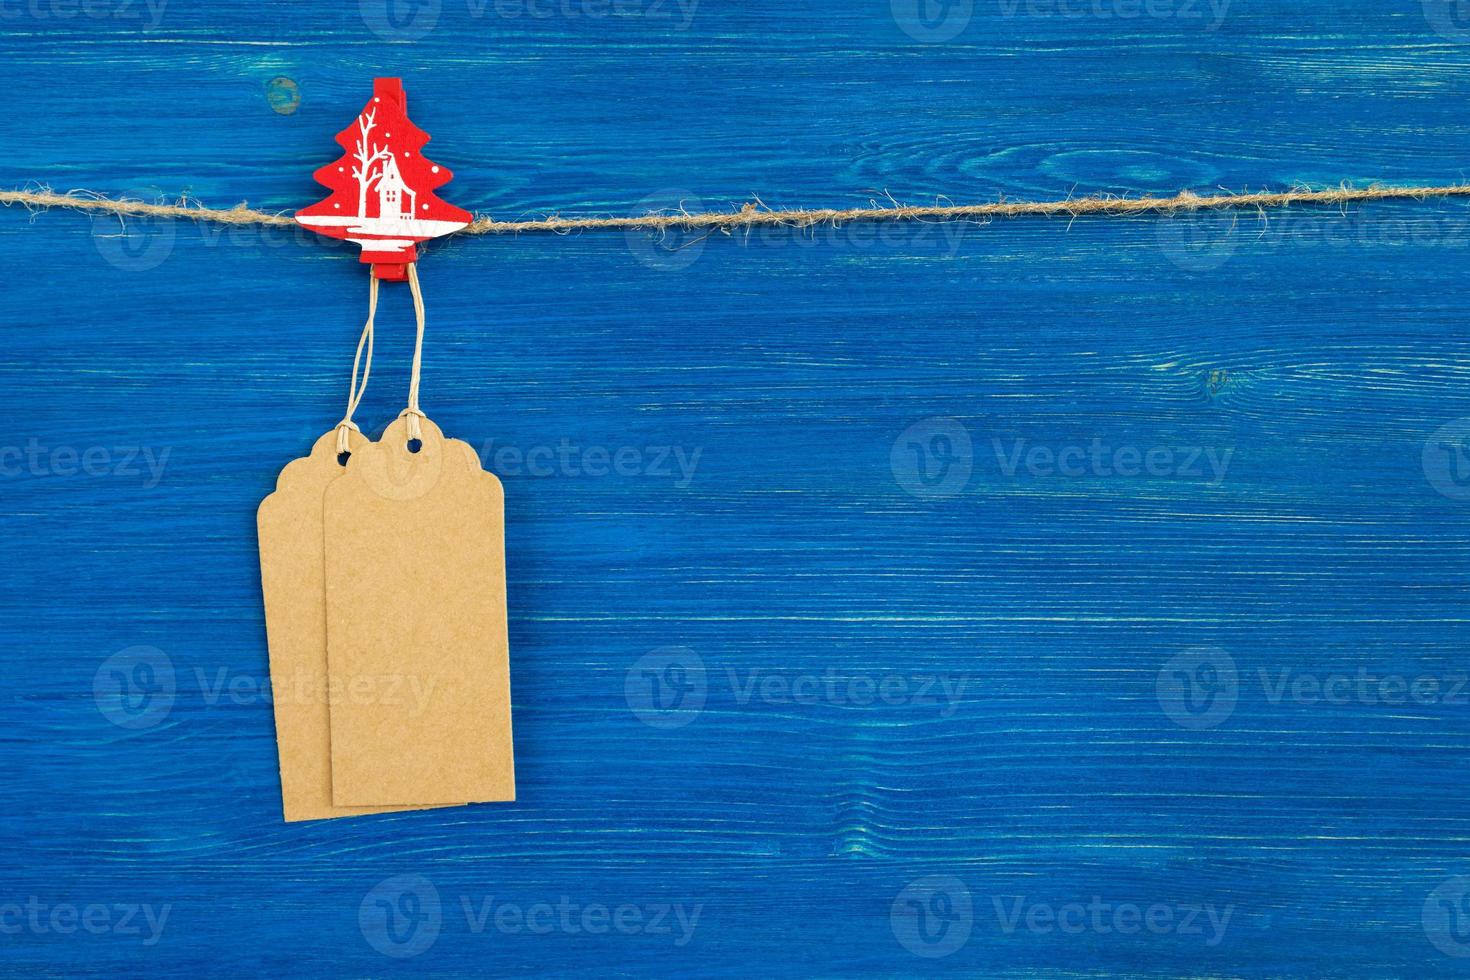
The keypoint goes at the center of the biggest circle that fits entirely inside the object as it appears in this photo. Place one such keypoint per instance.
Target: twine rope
(412, 412)
(354, 390)
(755, 214)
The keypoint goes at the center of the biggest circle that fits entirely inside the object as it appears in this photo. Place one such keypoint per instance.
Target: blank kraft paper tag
(415, 587)
(292, 574)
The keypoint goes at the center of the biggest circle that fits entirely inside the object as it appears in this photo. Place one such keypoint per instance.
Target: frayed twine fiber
(755, 214)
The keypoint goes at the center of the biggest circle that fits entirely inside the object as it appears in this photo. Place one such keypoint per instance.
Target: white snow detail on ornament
(418, 227)
(383, 244)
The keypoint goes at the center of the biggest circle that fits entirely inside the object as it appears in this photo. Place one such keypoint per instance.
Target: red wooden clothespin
(383, 187)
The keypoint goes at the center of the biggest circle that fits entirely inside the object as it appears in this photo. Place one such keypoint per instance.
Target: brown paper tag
(415, 580)
(292, 574)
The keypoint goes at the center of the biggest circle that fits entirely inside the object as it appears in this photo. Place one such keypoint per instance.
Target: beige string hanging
(354, 390)
(413, 412)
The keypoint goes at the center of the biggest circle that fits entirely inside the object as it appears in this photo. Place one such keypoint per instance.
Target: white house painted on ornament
(395, 198)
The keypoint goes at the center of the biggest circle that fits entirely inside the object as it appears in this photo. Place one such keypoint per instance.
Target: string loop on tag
(355, 391)
(413, 413)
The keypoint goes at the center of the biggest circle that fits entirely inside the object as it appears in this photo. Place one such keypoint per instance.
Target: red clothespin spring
(383, 187)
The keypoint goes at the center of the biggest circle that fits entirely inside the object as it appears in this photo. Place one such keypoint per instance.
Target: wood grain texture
(1321, 350)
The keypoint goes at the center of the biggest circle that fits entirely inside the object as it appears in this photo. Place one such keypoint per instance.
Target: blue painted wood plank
(934, 694)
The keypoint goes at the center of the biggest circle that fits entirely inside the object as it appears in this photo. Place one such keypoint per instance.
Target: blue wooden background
(1132, 658)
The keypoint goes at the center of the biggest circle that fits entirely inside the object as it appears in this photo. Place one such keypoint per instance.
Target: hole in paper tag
(393, 471)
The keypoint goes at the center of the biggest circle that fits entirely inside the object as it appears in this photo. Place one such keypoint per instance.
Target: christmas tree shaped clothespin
(383, 187)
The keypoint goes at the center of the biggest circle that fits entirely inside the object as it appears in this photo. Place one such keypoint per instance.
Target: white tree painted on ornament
(364, 171)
